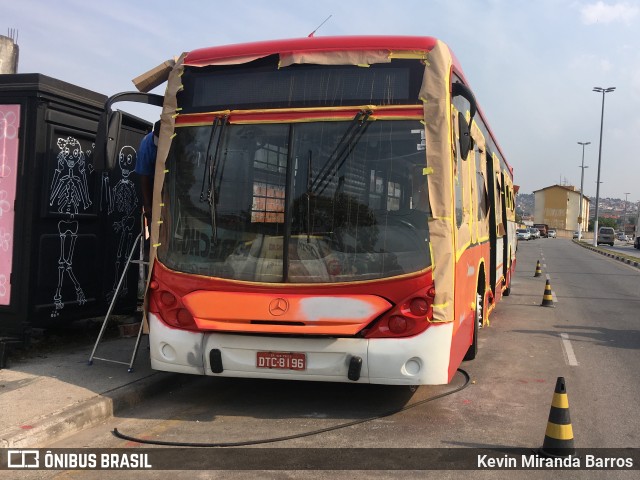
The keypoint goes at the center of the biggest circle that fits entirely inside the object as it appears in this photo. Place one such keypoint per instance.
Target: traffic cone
(547, 298)
(558, 439)
(538, 270)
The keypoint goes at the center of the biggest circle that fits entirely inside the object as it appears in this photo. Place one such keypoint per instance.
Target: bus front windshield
(317, 202)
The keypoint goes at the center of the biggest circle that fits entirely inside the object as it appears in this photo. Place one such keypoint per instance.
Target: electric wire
(298, 435)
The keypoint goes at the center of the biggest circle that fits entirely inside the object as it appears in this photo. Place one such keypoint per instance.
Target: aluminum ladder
(138, 243)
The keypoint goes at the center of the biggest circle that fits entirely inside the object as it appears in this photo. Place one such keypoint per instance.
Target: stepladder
(137, 246)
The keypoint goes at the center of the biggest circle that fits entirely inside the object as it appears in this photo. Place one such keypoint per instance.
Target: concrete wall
(538, 206)
(555, 208)
(8, 55)
(573, 210)
(559, 207)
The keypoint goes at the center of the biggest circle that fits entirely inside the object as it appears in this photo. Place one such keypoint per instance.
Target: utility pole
(595, 221)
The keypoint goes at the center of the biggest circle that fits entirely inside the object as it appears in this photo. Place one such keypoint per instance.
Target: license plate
(281, 360)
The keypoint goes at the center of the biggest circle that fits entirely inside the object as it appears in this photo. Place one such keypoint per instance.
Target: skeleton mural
(69, 193)
(124, 200)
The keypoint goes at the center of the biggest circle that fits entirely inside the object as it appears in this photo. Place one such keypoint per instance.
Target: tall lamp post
(580, 210)
(595, 222)
(624, 218)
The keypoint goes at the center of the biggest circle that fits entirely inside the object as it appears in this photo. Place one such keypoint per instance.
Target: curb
(633, 263)
(88, 413)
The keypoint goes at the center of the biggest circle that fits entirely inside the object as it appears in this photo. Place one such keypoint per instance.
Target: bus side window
(500, 227)
(461, 106)
(481, 184)
(459, 173)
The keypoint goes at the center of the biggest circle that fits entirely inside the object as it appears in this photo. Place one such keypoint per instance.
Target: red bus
(330, 209)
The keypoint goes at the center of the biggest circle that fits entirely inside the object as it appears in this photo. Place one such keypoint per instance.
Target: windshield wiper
(207, 157)
(345, 146)
(211, 191)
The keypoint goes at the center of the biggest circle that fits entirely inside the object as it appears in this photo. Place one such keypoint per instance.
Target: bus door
(495, 220)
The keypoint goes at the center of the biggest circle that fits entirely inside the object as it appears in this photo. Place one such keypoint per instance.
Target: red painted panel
(206, 56)
(467, 273)
(380, 295)
(320, 114)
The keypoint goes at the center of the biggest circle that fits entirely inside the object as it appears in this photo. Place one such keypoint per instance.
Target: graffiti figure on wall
(124, 200)
(69, 193)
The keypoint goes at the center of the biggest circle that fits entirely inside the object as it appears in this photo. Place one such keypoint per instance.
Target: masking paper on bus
(436, 115)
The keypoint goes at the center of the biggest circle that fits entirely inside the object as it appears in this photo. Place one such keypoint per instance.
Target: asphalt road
(591, 337)
(623, 247)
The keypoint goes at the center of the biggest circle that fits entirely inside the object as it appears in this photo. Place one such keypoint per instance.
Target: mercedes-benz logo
(278, 306)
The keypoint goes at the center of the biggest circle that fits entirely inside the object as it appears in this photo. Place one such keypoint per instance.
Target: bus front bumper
(419, 360)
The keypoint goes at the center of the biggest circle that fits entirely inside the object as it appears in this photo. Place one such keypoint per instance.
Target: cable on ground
(296, 436)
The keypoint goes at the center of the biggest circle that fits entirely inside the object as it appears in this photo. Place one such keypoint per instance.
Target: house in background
(559, 207)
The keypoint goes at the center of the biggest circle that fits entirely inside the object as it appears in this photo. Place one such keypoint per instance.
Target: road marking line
(548, 277)
(568, 350)
(544, 265)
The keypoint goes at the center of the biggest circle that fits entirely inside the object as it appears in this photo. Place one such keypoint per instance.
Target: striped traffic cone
(538, 270)
(547, 298)
(558, 439)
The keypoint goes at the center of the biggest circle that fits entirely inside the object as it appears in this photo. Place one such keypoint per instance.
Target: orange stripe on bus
(292, 313)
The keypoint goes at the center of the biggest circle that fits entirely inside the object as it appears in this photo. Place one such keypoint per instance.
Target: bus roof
(207, 56)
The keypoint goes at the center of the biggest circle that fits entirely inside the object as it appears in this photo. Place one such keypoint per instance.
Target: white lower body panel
(419, 360)
(174, 350)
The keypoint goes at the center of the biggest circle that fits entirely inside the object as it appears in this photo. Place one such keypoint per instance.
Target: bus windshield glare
(316, 202)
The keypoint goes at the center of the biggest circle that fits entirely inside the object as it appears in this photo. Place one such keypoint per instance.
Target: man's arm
(145, 168)
(146, 185)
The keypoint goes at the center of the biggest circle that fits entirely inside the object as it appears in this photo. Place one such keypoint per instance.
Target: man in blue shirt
(146, 168)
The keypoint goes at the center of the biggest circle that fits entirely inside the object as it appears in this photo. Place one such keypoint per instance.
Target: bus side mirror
(466, 142)
(109, 128)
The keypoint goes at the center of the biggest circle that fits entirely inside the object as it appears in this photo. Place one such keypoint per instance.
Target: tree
(603, 222)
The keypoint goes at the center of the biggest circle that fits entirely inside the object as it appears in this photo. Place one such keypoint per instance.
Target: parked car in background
(523, 234)
(535, 233)
(552, 233)
(543, 228)
(576, 234)
(606, 235)
(622, 237)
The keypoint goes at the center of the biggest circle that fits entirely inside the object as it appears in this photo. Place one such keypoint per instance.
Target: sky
(531, 63)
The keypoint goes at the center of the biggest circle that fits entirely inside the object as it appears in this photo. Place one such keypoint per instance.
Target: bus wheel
(477, 325)
(507, 291)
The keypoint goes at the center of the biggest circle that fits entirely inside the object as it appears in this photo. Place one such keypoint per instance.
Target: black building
(65, 228)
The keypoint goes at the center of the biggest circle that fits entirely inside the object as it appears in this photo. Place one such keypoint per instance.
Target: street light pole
(595, 222)
(580, 211)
